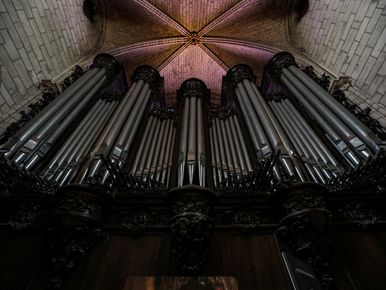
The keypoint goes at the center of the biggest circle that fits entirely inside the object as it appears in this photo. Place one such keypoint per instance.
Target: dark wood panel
(119, 257)
(254, 260)
(21, 259)
(361, 261)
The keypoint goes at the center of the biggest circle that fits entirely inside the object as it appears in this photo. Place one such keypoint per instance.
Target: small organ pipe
(183, 144)
(217, 152)
(142, 145)
(192, 139)
(162, 153)
(146, 149)
(224, 162)
(242, 143)
(214, 158)
(165, 161)
(150, 155)
(159, 140)
(232, 147)
(225, 141)
(170, 159)
(200, 144)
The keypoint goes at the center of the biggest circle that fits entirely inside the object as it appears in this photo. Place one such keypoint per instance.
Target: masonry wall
(348, 37)
(39, 39)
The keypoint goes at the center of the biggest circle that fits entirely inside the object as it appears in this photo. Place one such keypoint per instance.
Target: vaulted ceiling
(195, 38)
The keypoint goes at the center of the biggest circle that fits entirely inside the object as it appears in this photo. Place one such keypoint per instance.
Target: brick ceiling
(195, 38)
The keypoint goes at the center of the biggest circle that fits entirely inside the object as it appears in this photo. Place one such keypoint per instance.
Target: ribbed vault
(201, 39)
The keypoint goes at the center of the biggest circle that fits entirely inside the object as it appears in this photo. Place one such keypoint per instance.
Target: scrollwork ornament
(278, 62)
(25, 215)
(148, 74)
(109, 63)
(244, 218)
(193, 88)
(82, 204)
(360, 214)
(67, 247)
(240, 72)
(136, 222)
(303, 196)
(323, 80)
(191, 240)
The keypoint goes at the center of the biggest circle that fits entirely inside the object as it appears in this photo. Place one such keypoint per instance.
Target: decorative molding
(193, 88)
(363, 115)
(368, 178)
(360, 214)
(148, 74)
(278, 62)
(67, 248)
(260, 180)
(137, 221)
(109, 63)
(239, 72)
(303, 196)
(323, 80)
(191, 227)
(17, 180)
(245, 218)
(25, 215)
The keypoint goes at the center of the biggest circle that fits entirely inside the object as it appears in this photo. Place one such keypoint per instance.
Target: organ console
(102, 133)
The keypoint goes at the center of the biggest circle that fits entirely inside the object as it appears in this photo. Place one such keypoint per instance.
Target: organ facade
(285, 159)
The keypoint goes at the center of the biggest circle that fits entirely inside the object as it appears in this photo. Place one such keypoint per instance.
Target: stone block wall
(349, 38)
(39, 39)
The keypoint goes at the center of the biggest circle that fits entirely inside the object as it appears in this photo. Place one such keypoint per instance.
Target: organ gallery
(113, 188)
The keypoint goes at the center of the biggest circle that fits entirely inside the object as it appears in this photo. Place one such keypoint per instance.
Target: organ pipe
(78, 105)
(191, 167)
(84, 136)
(350, 137)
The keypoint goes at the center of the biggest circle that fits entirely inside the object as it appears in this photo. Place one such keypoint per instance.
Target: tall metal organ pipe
(191, 167)
(266, 132)
(117, 139)
(152, 159)
(352, 138)
(234, 162)
(29, 147)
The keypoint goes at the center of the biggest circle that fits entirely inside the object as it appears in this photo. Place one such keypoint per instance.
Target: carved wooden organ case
(280, 151)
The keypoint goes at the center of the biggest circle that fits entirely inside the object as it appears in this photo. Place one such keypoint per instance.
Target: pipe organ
(101, 140)
(198, 144)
